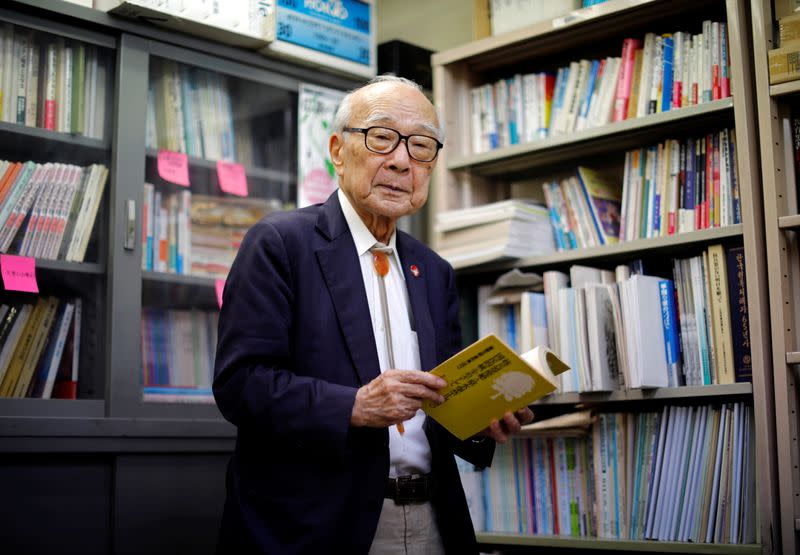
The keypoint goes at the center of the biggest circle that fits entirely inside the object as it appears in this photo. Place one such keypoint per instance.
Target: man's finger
(417, 376)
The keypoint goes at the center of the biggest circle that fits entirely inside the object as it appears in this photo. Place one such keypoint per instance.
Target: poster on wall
(316, 179)
(338, 34)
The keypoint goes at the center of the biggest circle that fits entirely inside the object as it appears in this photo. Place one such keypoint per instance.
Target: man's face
(384, 185)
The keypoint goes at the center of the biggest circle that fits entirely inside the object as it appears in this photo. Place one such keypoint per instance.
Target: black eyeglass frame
(401, 137)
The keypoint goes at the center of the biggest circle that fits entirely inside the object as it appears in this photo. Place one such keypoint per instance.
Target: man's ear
(335, 146)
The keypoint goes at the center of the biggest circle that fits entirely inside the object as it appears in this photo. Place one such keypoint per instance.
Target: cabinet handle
(130, 228)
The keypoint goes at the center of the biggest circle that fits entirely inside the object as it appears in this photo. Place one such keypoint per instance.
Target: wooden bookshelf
(726, 393)
(782, 89)
(501, 540)
(465, 179)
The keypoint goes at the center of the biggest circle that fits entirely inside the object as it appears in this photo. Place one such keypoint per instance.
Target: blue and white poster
(340, 28)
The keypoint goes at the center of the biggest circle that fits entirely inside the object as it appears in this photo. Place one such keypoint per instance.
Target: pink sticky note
(19, 273)
(220, 285)
(173, 167)
(232, 178)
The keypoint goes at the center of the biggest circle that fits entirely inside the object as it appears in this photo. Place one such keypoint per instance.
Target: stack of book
(510, 228)
(40, 348)
(659, 74)
(48, 210)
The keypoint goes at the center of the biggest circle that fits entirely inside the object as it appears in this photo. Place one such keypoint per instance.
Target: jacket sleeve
(255, 384)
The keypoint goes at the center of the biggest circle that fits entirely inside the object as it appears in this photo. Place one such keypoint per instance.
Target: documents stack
(506, 229)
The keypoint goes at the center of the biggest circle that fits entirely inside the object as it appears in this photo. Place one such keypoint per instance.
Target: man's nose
(399, 160)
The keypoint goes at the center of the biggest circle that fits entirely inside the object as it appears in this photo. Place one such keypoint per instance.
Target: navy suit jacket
(295, 343)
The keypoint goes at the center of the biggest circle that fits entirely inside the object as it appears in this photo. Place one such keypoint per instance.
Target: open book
(488, 379)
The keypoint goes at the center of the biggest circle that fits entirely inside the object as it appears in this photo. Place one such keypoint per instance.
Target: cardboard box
(784, 64)
(789, 30)
(785, 7)
(507, 15)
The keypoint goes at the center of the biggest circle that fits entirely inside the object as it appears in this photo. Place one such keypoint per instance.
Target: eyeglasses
(383, 140)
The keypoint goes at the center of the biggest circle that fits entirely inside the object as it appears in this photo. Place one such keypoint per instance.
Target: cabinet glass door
(221, 154)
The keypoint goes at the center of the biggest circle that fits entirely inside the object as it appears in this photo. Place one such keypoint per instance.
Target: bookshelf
(464, 178)
(778, 112)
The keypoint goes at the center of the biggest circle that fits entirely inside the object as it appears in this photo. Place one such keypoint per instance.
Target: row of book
(185, 233)
(681, 474)
(52, 82)
(630, 330)
(512, 228)
(40, 348)
(178, 348)
(189, 110)
(49, 210)
(673, 187)
(654, 75)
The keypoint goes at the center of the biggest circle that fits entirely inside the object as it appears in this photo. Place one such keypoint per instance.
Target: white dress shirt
(409, 453)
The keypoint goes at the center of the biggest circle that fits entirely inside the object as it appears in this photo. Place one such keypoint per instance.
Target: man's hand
(395, 396)
(501, 430)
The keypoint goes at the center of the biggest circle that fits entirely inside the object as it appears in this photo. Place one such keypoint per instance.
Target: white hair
(345, 111)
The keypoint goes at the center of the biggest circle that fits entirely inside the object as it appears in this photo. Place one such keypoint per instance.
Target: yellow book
(21, 351)
(488, 379)
(31, 362)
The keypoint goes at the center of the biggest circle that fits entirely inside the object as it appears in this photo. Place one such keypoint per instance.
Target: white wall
(432, 24)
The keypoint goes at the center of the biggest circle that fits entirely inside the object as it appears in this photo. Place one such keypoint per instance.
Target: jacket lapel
(418, 297)
(341, 270)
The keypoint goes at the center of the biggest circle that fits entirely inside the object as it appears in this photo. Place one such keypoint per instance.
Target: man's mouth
(393, 188)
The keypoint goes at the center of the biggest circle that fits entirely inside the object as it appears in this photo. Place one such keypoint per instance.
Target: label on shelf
(173, 167)
(220, 285)
(232, 178)
(19, 273)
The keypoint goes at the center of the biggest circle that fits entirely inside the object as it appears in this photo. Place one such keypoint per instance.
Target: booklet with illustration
(488, 379)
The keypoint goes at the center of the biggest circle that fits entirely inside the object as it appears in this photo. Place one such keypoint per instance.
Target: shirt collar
(362, 236)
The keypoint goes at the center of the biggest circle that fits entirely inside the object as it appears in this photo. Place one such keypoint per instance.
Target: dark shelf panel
(70, 267)
(251, 172)
(21, 141)
(165, 290)
(607, 253)
(51, 408)
(614, 137)
(178, 279)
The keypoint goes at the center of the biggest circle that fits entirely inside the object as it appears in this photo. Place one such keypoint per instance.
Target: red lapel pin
(415, 270)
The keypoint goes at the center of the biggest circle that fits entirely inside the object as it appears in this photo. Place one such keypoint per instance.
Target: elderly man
(330, 319)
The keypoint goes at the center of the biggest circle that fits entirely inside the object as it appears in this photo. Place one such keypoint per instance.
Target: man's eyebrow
(385, 119)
